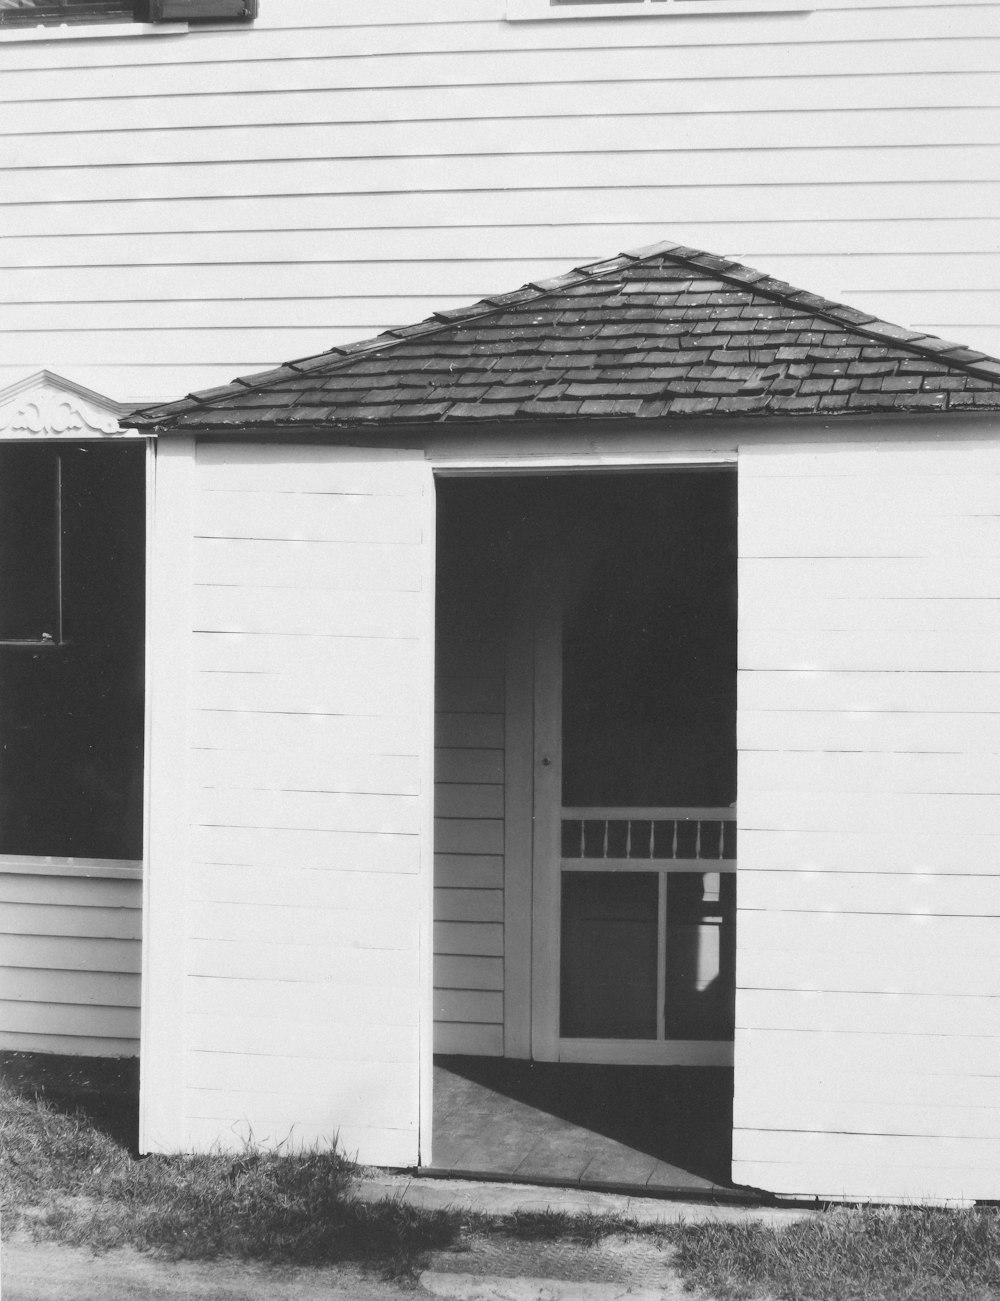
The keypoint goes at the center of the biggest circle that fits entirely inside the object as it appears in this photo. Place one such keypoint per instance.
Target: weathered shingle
(666, 331)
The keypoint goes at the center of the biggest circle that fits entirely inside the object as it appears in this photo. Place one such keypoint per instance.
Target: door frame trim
(547, 825)
(519, 803)
(647, 1052)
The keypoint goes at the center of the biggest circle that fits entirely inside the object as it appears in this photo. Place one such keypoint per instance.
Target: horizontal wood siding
(309, 891)
(869, 904)
(70, 954)
(180, 210)
(469, 840)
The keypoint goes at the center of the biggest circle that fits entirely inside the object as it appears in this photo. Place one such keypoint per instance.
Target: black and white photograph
(500, 650)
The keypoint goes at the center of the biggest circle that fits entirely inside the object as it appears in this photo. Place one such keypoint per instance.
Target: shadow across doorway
(654, 1127)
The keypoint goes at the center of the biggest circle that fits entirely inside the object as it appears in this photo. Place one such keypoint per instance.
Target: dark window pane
(701, 955)
(71, 715)
(649, 651)
(608, 957)
(687, 839)
(36, 13)
(29, 543)
(572, 839)
(710, 840)
(593, 839)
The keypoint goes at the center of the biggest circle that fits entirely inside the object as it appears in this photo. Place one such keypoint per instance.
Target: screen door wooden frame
(549, 865)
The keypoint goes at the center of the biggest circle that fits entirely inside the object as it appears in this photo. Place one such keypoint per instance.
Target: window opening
(30, 545)
(72, 610)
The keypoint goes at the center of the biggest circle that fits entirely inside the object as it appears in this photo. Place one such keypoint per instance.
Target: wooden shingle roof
(666, 331)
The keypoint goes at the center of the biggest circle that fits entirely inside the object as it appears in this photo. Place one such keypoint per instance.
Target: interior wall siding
(867, 1026)
(469, 832)
(180, 209)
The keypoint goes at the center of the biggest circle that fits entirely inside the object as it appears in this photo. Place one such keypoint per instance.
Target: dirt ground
(32, 1271)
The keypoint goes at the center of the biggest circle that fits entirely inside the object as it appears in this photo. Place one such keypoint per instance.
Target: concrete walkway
(48, 1272)
(471, 1287)
(488, 1269)
(509, 1198)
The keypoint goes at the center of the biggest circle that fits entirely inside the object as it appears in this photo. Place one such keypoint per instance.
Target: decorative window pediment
(47, 406)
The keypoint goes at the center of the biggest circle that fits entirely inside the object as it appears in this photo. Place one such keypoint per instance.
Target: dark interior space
(649, 707)
(72, 596)
(645, 567)
(642, 567)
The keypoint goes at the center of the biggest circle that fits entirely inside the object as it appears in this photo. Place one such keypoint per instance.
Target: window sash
(21, 14)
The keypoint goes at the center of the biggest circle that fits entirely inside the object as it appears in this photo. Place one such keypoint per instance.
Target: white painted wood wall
(70, 957)
(868, 1013)
(180, 209)
(288, 983)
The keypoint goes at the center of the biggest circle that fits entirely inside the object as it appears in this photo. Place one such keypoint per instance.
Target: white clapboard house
(604, 672)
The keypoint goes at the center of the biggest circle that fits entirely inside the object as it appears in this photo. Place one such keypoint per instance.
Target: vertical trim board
(168, 844)
(519, 791)
(547, 825)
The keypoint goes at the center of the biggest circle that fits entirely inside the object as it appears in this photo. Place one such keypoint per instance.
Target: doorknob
(546, 762)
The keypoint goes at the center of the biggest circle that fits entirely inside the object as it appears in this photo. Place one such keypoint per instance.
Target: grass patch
(872, 1254)
(64, 1179)
(69, 1172)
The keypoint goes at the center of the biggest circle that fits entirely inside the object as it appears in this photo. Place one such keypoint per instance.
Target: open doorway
(585, 853)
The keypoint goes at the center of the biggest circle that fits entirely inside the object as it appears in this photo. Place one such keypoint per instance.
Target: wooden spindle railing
(643, 837)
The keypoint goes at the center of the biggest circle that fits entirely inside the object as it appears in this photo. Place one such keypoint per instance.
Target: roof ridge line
(840, 313)
(436, 322)
(930, 347)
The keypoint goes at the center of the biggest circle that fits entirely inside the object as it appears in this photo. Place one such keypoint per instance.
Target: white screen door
(634, 817)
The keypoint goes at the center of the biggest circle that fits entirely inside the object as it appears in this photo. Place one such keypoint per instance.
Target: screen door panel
(610, 943)
(648, 940)
(641, 658)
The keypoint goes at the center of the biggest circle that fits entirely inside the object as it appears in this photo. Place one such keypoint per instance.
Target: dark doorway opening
(586, 835)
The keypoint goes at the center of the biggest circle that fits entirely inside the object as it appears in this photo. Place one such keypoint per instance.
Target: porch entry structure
(586, 861)
(288, 947)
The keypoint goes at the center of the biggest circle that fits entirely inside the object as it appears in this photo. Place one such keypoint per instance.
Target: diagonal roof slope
(664, 331)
